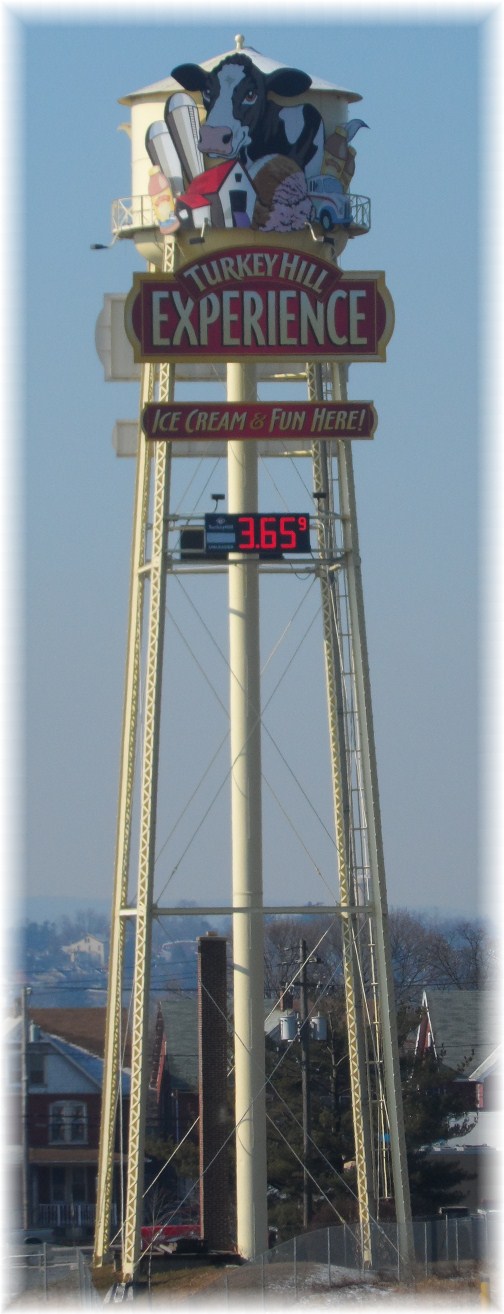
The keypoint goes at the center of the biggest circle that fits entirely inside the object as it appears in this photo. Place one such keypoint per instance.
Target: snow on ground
(277, 1285)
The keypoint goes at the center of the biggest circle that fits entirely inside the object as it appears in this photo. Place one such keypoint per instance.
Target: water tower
(241, 206)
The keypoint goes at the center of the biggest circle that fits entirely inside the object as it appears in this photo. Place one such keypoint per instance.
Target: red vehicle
(164, 1236)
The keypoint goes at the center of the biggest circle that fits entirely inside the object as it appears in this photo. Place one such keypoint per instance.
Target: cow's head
(234, 95)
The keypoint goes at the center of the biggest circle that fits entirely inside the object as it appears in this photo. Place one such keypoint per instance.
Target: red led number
(267, 537)
(288, 533)
(258, 533)
(247, 535)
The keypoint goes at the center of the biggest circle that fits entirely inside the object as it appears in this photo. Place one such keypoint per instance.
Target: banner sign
(312, 420)
(241, 305)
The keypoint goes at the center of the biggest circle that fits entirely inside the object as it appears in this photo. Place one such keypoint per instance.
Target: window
(36, 1068)
(78, 1123)
(67, 1123)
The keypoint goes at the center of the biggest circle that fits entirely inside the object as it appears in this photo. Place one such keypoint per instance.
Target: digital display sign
(269, 535)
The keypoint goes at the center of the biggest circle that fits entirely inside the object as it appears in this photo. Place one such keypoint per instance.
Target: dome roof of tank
(266, 65)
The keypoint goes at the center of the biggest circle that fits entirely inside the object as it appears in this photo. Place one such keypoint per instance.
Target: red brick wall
(214, 1129)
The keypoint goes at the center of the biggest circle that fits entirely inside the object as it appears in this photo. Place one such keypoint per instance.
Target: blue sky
(418, 484)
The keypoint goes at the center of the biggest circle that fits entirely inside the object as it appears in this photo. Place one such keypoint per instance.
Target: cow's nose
(227, 138)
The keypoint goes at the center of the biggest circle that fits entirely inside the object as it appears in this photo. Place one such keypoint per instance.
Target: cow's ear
(190, 76)
(288, 82)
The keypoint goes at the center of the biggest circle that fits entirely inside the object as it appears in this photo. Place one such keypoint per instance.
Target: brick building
(63, 1102)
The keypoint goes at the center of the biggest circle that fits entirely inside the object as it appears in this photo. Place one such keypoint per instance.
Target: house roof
(180, 1021)
(490, 1067)
(88, 1064)
(208, 184)
(465, 1025)
(87, 938)
(78, 1035)
(10, 1025)
(80, 1026)
(272, 1015)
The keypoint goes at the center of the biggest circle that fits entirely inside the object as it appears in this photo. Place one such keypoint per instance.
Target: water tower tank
(134, 217)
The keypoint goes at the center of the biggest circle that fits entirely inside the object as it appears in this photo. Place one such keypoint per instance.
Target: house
(174, 1069)
(272, 1020)
(480, 1154)
(89, 946)
(487, 1077)
(223, 196)
(58, 1166)
(462, 1029)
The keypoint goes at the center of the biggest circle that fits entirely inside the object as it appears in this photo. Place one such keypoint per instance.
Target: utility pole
(304, 960)
(304, 1035)
(25, 1149)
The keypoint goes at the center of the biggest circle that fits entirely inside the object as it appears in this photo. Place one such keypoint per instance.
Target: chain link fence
(53, 1274)
(298, 1270)
(330, 1259)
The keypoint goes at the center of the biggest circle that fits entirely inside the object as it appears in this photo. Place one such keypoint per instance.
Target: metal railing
(360, 210)
(132, 212)
(60, 1214)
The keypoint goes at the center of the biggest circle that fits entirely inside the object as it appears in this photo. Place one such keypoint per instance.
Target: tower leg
(147, 836)
(143, 928)
(112, 1054)
(377, 866)
(362, 1127)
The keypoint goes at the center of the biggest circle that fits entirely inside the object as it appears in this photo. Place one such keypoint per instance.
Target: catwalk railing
(130, 213)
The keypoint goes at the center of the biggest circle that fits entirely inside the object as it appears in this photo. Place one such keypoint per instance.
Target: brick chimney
(212, 1085)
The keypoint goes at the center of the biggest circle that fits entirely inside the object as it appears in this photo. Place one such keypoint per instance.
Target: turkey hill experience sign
(242, 304)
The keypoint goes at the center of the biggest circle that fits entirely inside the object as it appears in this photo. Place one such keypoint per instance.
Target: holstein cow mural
(252, 162)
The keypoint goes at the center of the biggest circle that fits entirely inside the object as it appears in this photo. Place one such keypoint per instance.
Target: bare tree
(460, 956)
(282, 936)
(451, 955)
(409, 945)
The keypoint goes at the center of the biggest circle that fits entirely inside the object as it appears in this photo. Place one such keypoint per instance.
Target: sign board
(270, 535)
(241, 305)
(250, 144)
(265, 420)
